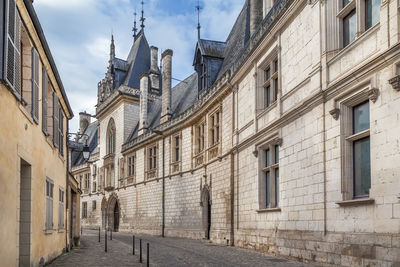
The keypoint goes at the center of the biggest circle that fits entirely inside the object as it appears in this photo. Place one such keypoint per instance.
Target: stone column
(166, 112)
(144, 91)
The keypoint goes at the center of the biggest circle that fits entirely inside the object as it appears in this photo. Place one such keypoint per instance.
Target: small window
(131, 166)
(199, 136)
(349, 28)
(214, 128)
(270, 88)
(152, 158)
(60, 208)
(94, 205)
(372, 12)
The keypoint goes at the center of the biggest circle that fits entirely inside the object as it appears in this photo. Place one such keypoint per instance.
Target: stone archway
(104, 213)
(113, 212)
(206, 211)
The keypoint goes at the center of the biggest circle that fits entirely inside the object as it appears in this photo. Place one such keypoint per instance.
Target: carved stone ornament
(255, 153)
(278, 142)
(335, 113)
(373, 94)
(395, 82)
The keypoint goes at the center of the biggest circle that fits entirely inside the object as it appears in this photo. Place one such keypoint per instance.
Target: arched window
(111, 137)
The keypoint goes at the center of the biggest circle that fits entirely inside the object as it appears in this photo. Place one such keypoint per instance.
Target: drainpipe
(66, 192)
(163, 182)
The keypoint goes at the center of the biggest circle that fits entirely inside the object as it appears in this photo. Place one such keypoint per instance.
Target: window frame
(268, 188)
(61, 201)
(268, 86)
(49, 194)
(175, 152)
(152, 167)
(84, 210)
(347, 140)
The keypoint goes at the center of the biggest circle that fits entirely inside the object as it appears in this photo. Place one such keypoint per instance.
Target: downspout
(163, 188)
(232, 236)
(66, 191)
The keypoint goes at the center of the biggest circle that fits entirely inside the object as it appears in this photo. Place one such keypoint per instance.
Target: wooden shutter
(45, 88)
(12, 66)
(56, 114)
(35, 85)
(60, 130)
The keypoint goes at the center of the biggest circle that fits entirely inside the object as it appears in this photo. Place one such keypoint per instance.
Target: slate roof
(212, 48)
(237, 39)
(92, 132)
(138, 60)
(183, 96)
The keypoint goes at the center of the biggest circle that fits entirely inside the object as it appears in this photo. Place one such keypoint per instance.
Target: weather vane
(198, 8)
(142, 19)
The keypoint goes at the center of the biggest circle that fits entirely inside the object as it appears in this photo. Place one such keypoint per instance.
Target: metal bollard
(99, 234)
(140, 254)
(110, 234)
(148, 255)
(105, 240)
(133, 246)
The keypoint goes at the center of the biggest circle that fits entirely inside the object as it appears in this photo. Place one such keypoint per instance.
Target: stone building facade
(34, 191)
(285, 139)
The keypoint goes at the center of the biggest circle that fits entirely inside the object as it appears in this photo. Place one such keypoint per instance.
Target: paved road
(164, 252)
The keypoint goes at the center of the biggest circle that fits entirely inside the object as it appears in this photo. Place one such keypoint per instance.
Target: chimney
(166, 111)
(154, 72)
(84, 121)
(256, 15)
(144, 91)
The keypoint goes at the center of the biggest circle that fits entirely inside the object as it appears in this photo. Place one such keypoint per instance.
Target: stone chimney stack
(166, 111)
(154, 72)
(84, 121)
(256, 15)
(144, 97)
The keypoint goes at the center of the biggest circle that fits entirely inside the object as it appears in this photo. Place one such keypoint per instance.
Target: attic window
(203, 76)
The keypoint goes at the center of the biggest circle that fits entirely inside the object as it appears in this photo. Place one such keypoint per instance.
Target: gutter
(39, 30)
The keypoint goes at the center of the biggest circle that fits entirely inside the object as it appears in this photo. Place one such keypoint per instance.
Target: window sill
(61, 230)
(356, 202)
(269, 210)
(264, 111)
(49, 231)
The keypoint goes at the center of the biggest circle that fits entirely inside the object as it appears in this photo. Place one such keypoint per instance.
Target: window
(94, 205)
(203, 77)
(152, 158)
(355, 145)
(199, 136)
(269, 81)
(372, 11)
(111, 137)
(49, 204)
(45, 88)
(269, 175)
(131, 166)
(176, 148)
(87, 181)
(349, 28)
(84, 210)
(60, 208)
(94, 189)
(214, 128)
(361, 151)
(356, 17)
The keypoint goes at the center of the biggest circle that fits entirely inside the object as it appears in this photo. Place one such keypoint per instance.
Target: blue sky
(78, 33)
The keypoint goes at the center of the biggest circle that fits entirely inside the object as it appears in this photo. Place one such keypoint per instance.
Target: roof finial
(142, 19)
(198, 8)
(134, 26)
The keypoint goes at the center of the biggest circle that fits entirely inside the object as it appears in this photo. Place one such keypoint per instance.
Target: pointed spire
(142, 19)
(198, 8)
(112, 48)
(134, 27)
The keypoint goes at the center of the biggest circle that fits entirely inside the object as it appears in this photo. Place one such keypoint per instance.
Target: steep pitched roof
(237, 39)
(92, 132)
(138, 60)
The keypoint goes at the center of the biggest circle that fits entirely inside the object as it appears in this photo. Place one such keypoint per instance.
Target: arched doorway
(113, 212)
(206, 211)
(116, 217)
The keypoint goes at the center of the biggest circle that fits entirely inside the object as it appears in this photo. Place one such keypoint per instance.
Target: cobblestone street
(163, 252)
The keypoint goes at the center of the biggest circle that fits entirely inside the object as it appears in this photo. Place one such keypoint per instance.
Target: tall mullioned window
(361, 151)
(152, 158)
(49, 204)
(269, 175)
(199, 136)
(214, 128)
(111, 133)
(268, 83)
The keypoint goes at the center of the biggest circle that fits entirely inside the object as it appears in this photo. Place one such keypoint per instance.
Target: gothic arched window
(111, 137)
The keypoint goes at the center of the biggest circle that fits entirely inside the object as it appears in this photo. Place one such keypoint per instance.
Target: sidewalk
(91, 253)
